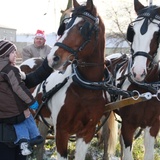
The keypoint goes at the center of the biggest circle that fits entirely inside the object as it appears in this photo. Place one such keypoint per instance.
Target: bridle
(86, 31)
(147, 14)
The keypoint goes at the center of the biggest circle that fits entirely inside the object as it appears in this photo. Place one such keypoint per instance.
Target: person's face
(39, 41)
(12, 57)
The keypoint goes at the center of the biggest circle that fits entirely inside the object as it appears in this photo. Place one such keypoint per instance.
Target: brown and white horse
(140, 72)
(79, 105)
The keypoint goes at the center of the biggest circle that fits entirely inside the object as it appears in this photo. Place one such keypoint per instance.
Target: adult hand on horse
(34, 106)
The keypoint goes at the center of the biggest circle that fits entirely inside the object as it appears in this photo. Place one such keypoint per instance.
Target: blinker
(130, 33)
(61, 29)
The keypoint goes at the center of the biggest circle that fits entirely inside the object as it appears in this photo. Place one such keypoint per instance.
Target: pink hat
(40, 33)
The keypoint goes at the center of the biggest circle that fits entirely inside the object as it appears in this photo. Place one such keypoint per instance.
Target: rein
(85, 64)
(152, 87)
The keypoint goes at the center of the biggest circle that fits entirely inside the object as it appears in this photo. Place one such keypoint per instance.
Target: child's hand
(27, 113)
(22, 74)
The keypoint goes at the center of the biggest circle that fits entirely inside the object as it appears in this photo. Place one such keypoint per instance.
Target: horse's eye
(157, 34)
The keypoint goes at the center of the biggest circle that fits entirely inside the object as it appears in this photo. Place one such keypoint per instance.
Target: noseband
(86, 31)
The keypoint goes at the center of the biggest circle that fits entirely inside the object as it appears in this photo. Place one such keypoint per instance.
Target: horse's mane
(83, 8)
(157, 57)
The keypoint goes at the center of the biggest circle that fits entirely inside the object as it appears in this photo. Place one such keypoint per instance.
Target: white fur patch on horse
(127, 155)
(81, 146)
(57, 100)
(30, 62)
(149, 144)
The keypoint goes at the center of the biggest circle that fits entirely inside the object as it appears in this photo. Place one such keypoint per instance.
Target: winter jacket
(31, 51)
(15, 97)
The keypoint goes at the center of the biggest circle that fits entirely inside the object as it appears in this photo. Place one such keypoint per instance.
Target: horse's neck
(157, 57)
(93, 68)
(153, 73)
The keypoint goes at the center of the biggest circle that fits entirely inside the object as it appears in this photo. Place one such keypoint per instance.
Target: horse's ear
(89, 4)
(137, 6)
(75, 4)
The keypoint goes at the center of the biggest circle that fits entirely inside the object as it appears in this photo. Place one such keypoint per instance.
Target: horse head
(79, 37)
(144, 34)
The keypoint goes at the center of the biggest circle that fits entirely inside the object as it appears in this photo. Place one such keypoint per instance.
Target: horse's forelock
(83, 8)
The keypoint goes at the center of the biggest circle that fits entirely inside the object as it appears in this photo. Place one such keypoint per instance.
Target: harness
(108, 83)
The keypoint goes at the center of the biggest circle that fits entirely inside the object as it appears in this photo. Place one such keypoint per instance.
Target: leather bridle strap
(142, 54)
(70, 50)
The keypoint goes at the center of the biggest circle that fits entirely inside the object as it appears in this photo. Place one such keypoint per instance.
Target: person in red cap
(38, 49)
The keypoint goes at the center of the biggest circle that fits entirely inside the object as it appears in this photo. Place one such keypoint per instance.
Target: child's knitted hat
(6, 47)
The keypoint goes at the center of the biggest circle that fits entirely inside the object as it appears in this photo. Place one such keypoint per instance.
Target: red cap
(40, 33)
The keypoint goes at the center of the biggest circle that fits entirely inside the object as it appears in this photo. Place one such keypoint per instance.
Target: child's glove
(34, 106)
(22, 74)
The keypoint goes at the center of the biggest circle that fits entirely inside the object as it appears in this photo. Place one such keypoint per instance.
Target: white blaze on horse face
(141, 43)
(52, 55)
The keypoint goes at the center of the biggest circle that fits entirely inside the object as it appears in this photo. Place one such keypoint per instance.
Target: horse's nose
(55, 61)
(139, 76)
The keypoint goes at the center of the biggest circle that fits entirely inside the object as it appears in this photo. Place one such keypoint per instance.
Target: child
(16, 99)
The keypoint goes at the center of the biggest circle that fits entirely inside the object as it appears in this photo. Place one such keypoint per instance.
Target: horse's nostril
(56, 59)
(143, 74)
(134, 74)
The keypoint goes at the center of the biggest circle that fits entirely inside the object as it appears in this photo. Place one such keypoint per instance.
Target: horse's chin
(58, 66)
(137, 80)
